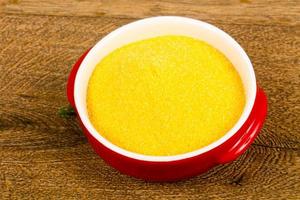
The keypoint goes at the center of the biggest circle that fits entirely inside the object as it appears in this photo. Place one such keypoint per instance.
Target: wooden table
(45, 156)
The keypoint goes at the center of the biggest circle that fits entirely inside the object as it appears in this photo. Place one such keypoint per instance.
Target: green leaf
(66, 112)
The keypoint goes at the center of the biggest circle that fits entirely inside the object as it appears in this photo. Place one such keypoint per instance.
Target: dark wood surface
(46, 156)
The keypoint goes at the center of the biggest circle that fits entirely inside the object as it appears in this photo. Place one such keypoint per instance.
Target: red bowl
(179, 167)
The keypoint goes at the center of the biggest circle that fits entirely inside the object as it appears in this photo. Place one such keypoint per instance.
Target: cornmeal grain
(165, 95)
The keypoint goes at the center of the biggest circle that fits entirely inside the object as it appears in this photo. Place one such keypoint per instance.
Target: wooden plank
(77, 172)
(233, 11)
(44, 156)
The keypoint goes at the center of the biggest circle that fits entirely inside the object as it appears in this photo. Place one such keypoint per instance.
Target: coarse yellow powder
(166, 95)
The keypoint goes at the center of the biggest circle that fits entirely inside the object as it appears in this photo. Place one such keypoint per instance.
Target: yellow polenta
(164, 96)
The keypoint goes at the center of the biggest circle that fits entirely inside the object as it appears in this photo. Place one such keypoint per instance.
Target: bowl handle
(250, 129)
(71, 79)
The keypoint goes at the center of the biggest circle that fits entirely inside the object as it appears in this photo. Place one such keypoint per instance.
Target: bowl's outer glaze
(184, 168)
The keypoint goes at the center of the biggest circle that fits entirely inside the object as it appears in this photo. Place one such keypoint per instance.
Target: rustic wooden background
(45, 156)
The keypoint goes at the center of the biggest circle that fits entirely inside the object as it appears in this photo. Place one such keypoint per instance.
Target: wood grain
(44, 156)
(270, 12)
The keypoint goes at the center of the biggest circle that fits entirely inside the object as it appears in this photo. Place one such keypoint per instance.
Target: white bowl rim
(88, 125)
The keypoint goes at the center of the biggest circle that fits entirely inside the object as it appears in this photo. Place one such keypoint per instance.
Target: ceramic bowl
(169, 168)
